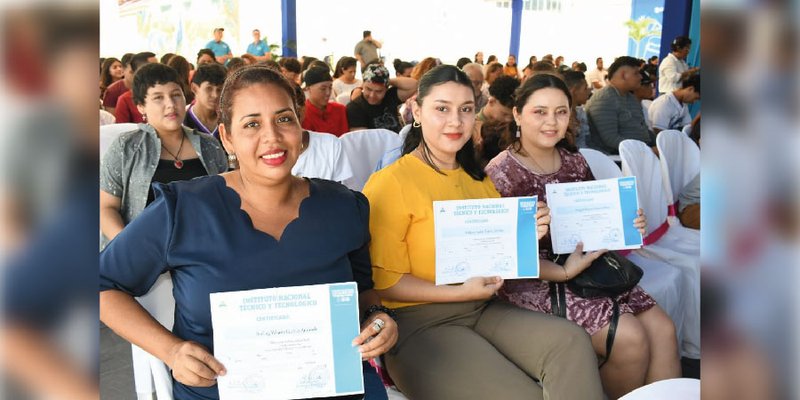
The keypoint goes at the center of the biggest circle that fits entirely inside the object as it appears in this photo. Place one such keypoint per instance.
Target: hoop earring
(416, 124)
(519, 132)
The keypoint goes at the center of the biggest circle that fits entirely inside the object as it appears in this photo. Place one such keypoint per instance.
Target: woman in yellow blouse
(457, 341)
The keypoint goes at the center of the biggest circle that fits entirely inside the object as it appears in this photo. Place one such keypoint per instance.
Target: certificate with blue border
(485, 237)
(288, 343)
(598, 213)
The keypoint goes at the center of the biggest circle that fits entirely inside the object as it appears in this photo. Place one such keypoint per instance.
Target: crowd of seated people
(189, 130)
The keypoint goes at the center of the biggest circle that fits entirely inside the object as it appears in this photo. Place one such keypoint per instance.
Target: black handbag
(609, 276)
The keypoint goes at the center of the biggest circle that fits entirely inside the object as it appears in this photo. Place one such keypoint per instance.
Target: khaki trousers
(491, 351)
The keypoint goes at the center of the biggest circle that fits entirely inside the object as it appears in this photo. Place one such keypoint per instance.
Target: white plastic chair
(602, 166)
(680, 163)
(343, 98)
(687, 130)
(107, 118)
(109, 133)
(395, 394)
(395, 153)
(674, 245)
(670, 389)
(364, 149)
(151, 375)
(661, 280)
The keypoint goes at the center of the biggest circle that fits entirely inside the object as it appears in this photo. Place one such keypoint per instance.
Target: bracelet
(566, 275)
(378, 308)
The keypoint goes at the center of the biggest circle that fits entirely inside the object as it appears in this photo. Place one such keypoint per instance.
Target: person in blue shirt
(221, 49)
(255, 227)
(259, 48)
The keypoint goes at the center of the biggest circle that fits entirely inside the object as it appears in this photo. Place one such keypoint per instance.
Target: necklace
(542, 170)
(178, 162)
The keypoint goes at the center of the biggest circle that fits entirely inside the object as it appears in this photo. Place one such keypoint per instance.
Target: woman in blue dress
(256, 227)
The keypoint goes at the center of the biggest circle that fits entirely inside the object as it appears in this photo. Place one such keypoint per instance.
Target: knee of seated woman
(631, 337)
(663, 328)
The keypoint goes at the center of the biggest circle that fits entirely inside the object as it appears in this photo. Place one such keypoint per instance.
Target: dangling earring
(233, 162)
(519, 131)
(144, 117)
(416, 124)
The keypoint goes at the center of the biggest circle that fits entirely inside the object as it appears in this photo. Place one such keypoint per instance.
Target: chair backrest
(364, 149)
(107, 118)
(109, 133)
(639, 160)
(343, 98)
(395, 153)
(678, 388)
(680, 161)
(150, 373)
(602, 166)
(646, 105)
(646, 111)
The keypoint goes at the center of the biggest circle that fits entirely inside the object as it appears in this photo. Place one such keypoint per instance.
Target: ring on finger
(378, 325)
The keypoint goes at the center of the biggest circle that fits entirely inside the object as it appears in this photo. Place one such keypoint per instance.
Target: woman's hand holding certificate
(578, 261)
(542, 219)
(193, 365)
(481, 287)
(376, 339)
(640, 222)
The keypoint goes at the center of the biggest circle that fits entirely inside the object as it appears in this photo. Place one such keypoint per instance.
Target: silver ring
(378, 325)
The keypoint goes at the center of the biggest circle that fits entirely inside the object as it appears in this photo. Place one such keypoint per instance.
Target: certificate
(288, 343)
(485, 237)
(598, 213)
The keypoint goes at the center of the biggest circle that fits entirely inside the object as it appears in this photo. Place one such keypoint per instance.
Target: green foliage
(642, 28)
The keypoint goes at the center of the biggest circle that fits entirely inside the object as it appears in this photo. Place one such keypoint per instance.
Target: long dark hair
(465, 157)
(530, 86)
(343, 64)
(105, 73)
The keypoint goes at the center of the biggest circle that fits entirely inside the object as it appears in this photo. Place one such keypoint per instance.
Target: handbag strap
(612, 331)
(558, 299)
(558, 307)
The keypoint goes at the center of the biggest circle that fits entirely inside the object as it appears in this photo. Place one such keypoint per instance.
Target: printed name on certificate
(485, 237)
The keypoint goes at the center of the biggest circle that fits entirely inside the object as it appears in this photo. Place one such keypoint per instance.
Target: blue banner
(644, 28)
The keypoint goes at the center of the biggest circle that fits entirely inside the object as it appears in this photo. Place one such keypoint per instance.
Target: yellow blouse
(401, 217)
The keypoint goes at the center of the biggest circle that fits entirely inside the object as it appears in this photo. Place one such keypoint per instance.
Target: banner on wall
(644, 28)
(162, 24)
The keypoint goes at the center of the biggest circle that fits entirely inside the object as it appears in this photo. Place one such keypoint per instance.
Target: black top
(166, 173)
(384, 115)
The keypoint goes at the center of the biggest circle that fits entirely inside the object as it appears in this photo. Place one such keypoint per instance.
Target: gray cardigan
(129, 164)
